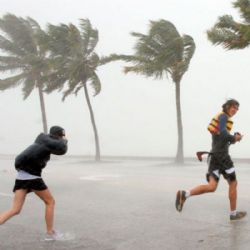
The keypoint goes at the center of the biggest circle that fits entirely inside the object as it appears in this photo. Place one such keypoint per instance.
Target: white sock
(187, 194)
(233, 212)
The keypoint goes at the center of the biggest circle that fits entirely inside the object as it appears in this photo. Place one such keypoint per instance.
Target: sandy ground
(126, 205)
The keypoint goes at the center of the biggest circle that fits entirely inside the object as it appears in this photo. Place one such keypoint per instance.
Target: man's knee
(16, 211)
(50, 202)
(212, 187)
(212, 184)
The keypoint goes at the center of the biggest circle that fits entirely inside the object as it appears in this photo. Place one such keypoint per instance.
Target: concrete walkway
(126, 205)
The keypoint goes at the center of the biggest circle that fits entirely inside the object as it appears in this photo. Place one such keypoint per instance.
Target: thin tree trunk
(97, 146)
(179, 156)
(44, 119)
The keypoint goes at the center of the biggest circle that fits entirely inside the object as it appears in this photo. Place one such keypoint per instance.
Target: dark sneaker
(239, 215)
(180, 199)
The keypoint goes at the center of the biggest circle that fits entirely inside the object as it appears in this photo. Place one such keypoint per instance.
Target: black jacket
(34, 158)
(221, 142)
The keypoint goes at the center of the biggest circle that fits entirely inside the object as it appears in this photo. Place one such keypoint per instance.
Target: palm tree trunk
(97, 146)
(179, 156)
(44, 119)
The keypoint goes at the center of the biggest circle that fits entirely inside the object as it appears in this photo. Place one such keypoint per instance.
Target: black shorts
(30, 185)
(221, 164)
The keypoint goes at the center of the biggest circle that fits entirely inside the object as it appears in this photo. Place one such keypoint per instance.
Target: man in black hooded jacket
(29, 165)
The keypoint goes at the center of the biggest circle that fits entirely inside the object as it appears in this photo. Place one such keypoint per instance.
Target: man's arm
(223, 130)
(57, 146)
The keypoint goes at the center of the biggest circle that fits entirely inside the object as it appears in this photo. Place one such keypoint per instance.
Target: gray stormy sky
(134, 115)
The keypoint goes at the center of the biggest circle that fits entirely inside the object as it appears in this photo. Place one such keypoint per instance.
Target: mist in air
(135, 115)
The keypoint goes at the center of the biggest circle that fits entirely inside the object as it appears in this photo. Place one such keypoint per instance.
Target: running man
(29, 165)
(219, 160)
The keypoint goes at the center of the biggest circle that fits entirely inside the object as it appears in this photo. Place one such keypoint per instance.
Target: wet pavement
(126, 205)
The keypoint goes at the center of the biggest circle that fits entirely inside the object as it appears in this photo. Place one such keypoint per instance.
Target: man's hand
(238, 136)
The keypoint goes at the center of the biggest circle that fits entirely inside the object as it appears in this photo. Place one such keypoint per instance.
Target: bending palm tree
(24, 55)
(161, 52)
(229, 33)
(75, 63)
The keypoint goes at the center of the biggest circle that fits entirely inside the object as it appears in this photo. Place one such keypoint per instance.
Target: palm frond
(9, 47)
(227, 22)
(167, 36)
(54, 81)
(73, 58)
(78, 88)
(40, 37)
(89, 36)
(115, 57)
(18, 32)
(244, 7)
(70, 90)
(33, 23)
(58, 40)
(10, 64)
(22, 54)
(189, 49)
(93, 61)
(11, 82)
(74, 41)
(229, 33)
(95, 84)
(147, 47)
(28, 86)
(148, 70)
(227, 38)
(72, 85)
(10, 60)
(161, 52)
(163, 43)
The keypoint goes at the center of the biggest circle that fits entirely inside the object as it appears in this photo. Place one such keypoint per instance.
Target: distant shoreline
(135, 158)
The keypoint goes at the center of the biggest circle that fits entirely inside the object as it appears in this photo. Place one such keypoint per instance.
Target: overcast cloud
(134, 115)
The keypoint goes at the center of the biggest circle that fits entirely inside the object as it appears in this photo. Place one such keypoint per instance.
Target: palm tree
(23, 55)
(74, 64)
(160, 53)
(229, 33)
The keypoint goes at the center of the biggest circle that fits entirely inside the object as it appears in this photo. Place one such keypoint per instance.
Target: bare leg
(210, 187)
(16, 208)
(232, 194)
(182, 195)
(49, 201)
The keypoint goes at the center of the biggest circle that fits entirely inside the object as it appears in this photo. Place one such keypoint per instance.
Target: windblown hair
(229, 103)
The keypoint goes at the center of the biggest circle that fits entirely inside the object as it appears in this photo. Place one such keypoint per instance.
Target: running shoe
(239, 215)
(180, 199)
